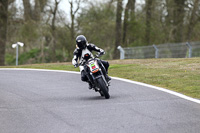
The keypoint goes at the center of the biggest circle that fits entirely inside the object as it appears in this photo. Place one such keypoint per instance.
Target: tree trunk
(53, 31)
(148, 25)
(126, 17)
(73, 13)
(118, 29)
(168, 18)
(37, 11)
(27, 10)
(192, 20)
(148, 21)
(179, 14)
(129, 12)
(42, 4)
(3, 29)
(178, 20)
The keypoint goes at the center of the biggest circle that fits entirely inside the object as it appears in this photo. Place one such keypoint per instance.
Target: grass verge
(180, 75)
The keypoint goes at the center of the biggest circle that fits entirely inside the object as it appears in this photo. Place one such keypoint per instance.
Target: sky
(65, 7)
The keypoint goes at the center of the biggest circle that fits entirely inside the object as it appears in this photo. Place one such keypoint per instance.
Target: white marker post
(16, 45)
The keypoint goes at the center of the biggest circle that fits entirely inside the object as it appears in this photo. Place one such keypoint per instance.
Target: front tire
(101, 93)
(103, 88)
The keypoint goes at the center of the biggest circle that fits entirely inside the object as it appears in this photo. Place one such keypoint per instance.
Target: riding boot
(107, 78)
(90, 85)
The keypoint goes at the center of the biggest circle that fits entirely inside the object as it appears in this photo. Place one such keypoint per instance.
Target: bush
(10, 59)
(29, 57)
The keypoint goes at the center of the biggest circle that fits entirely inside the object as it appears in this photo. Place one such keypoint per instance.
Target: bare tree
(53, 29)
(72, 14)
(118, 28)
(3, 29)
(71, 27)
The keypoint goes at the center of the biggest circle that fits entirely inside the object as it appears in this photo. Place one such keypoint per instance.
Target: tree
(30, 30)
(148, 20)
(3, 29)
(179, 14)
(129, 16)
(102, 22)
(192, 20)
(53, 30)
(73, 13)
(118, 28)
(33, 13)
(168, 20)
(27, 10)
(97, 23)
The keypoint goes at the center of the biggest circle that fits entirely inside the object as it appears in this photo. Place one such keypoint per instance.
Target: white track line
(116, 78)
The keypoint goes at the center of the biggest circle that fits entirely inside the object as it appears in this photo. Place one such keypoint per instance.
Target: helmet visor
(82, 44)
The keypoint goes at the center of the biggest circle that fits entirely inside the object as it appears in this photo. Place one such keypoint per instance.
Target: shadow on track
(93, 98)
(97, 98)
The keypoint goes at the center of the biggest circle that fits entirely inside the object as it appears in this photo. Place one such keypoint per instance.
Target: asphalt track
(58, 102)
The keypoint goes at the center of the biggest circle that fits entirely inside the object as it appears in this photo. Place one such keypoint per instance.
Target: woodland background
(49, 34)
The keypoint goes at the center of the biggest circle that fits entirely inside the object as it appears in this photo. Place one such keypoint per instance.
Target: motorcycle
(96, 73)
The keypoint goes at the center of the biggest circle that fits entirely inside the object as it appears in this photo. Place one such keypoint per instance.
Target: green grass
(180, 75)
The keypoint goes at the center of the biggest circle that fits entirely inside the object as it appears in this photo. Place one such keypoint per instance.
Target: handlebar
(84, 61)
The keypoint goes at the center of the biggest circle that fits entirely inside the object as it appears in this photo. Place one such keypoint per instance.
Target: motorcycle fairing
(93, 65)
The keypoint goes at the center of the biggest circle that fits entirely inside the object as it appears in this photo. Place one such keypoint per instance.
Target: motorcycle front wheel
(103, 88)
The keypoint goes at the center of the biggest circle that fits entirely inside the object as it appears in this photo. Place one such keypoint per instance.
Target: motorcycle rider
(82, 46)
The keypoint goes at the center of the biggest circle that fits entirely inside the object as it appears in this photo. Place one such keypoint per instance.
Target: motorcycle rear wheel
(103, 88)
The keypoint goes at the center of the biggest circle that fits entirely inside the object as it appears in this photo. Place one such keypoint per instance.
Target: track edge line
(117, 78)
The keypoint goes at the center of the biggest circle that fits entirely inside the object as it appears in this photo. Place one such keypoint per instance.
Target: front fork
(92, 78)
(102, 67)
